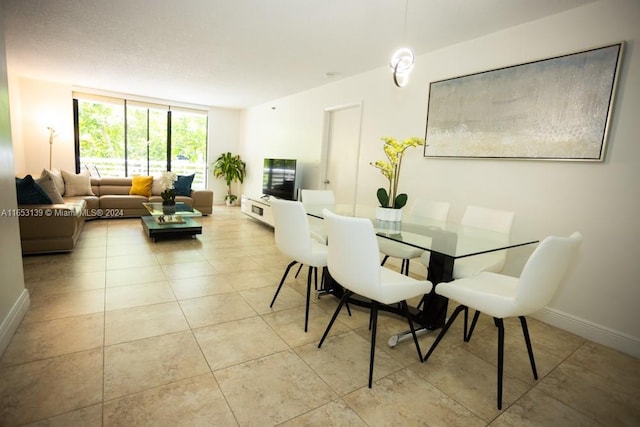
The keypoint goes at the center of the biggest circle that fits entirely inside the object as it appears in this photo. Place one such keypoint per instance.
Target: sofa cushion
(29, 192)
(76, 185)
(141, 185)
(183, 184)
(46, 183)
(119, 201)
(56, 177)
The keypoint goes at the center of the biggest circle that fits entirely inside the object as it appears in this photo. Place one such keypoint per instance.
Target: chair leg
(405, 309)
(386, 257)
(284, 276)
(298, 272)
(306, 311)
(315, 278)
(527, 340)
(500, 326)
(466, 323)
(444, 330)
(467, 336)
(374, 321)
(405, 267)
(344, 298)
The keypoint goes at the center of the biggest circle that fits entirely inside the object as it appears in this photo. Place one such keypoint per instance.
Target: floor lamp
(52, 135)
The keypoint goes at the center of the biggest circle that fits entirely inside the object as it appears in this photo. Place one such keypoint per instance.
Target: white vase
(388, 214)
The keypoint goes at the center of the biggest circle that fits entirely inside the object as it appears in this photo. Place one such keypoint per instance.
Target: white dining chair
(317, 200)
(477, 219)
(293, 238)
(501, 296)
(427, 209)
(353, 262)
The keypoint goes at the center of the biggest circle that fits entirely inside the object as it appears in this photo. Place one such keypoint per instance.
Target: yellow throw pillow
(141, 185)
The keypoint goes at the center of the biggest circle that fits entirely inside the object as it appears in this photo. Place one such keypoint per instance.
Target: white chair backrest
(353, 259)
(317, 197)
(291, 227)
(544, 271)
(496, 220)
(431, 209)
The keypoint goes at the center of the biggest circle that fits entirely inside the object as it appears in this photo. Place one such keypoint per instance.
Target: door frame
(326, 143)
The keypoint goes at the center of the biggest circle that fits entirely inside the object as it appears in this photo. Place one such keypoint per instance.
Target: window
(119, 138)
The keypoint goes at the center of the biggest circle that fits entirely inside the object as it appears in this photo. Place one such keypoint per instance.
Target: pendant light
(402, 59)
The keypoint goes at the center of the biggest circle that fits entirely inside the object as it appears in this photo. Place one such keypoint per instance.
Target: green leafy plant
(390, 168)
(232, 169)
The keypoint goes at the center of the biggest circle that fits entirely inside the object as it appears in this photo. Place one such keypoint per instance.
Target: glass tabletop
(182, 209)
(447, 238)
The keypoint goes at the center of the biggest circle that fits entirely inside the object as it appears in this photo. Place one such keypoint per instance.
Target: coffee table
(158, 225)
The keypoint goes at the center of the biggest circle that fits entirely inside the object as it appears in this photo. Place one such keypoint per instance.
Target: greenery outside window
(119, 138)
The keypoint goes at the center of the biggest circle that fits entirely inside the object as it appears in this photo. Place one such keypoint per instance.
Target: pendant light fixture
(402, 59)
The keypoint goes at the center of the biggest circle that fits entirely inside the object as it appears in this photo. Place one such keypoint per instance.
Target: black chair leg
(298, 272)
(444, 330)
(467, 336)
(306, 312)
(374, 321)
(500, 326)
(527, 340)
(405, 267)
(284, 276)
(344, 299)
(386, 257)
(315, 278)
(405, 310)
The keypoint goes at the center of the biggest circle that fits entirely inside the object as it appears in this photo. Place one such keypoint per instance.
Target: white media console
(258, 208)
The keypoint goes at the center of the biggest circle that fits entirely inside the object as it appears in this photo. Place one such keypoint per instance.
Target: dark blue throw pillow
(183, 185)
(30, 193)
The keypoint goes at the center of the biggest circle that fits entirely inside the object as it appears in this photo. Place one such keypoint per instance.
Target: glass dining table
(445, 241)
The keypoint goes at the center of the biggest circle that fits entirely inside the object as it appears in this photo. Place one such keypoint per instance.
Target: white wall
(14, 298)
(599, 300)
(38, 105)
(224, 128)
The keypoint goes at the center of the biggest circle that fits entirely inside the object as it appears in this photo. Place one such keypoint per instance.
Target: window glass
(101, 136)
(121, 138)
(188, 145)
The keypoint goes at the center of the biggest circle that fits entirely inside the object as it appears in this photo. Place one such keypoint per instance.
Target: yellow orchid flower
(394, 151)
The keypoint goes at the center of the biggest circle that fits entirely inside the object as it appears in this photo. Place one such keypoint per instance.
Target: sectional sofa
(56, 227)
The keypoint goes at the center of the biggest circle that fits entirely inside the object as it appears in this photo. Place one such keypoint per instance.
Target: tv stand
(257, 208)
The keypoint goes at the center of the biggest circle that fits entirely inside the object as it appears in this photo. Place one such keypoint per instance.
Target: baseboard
(12, 321)
(590, 331)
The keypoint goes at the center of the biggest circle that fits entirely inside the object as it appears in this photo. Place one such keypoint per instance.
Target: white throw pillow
(76, 185)
(156, 187)
(47, 184)
(56, 177)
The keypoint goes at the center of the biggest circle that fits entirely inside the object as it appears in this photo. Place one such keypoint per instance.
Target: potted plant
(391, 202)
(232, 169)
(168, 193)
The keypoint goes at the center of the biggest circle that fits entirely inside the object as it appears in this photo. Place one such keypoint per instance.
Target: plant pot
(168, 208)
(388, 227)
(388, 214)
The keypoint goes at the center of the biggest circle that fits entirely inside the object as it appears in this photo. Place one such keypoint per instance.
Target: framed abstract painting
(552, 109)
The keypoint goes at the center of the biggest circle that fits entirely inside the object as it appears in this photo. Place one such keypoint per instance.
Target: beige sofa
(57, 227)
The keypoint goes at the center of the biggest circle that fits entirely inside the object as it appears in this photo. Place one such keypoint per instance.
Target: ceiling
(237, 53)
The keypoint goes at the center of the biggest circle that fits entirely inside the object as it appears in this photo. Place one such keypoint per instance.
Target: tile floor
(124, 331)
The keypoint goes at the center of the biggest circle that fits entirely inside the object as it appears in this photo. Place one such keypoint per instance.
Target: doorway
(341, 152)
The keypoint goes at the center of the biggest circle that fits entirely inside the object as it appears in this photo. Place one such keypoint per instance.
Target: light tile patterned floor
(124, 331)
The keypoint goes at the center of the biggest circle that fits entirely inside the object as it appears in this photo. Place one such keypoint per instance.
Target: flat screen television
(279, 178)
